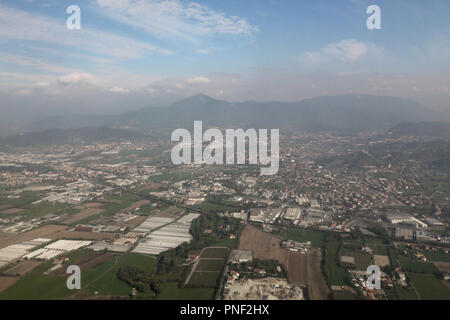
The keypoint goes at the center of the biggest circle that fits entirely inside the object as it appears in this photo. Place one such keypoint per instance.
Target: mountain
(422, 129)
(69, 136)
(344, 113)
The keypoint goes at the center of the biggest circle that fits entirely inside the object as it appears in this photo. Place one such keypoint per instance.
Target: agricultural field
(437, 256)
(336, 275)
(301, 235)
(84, 211)
(216, 253)
(410, 265)
(302, 269)
(22, 268)
(429, 287)
(362, 259)
(99, 276)
(210, 265)
(343, 295)
(205, 279)
(109, 284)
(173, 292)
(378, 248)
(400, 293)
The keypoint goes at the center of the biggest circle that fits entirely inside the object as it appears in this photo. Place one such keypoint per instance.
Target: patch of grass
(210, 265)
(400, 293)
(342, 296)
(172, 292)
(215, 253)
(37, 287)
(205, 279)
(336, 275)
(362, 259)
(109, 283)
(411, 265)
(437, 256)
(301, 235)
(429, 287)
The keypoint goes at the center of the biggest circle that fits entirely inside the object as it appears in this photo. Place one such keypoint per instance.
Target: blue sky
(155, 51)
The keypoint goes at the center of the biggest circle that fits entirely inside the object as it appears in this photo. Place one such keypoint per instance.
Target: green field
(378, 248)
(302, 235)
(37, 287)
(342, 296)
(400, 293)
(437, 256)
(336, 275)
(411, 265)
(215, 253)
(362, 259)
(210, 265)
(102, 278)
(173, 292)
(205, 279)
(109, 283)
(429, 287)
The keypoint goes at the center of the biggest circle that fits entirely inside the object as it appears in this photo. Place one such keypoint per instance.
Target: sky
(130, 54)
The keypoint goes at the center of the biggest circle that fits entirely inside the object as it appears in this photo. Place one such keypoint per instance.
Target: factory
(405, 219)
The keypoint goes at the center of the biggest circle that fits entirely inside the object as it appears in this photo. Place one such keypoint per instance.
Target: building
(240, 256)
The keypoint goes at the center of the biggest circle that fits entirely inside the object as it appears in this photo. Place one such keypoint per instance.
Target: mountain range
(344, 113)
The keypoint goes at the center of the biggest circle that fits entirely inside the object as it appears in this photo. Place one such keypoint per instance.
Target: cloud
(175, 18)
(119, 90)
(207, 50)
(20, 25)
(348, 50)
(77, 78)
(198, 80)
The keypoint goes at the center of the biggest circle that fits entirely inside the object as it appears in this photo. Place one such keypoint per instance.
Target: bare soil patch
(172, 212)
(83, 235)
(303, 268)
(88, 262)
(6, 282)
(83, 214)
(443, 266)
(46, 231)
(12, 211)
(22, 268)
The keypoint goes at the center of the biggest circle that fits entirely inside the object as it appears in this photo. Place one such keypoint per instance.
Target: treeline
(143, 281)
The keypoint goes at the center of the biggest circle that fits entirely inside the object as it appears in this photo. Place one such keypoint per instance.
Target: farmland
(173, 292)
(302, 269)
(207, 270)
(336, 275)
(299, 235)
(429, 287)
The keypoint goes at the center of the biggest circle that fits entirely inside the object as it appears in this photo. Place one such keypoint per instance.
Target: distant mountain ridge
(69, 136)
(422, 129)
(351, 113)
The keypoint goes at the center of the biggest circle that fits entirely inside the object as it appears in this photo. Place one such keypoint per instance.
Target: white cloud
(348, 50)
(20, 25)
(207, 50)
(78, 77)
(198, 80)
(175, 18)
(119, 90)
